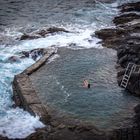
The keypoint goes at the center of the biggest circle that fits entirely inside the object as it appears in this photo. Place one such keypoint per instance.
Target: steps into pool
(131, 67)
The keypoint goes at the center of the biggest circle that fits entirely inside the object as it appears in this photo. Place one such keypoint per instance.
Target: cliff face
(125, 38)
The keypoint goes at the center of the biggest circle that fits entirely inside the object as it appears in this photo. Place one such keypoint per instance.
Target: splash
(18, 124)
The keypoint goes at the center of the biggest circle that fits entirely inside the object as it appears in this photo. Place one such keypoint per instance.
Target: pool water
(60, 85)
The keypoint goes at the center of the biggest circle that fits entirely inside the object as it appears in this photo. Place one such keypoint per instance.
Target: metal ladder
(131, 67)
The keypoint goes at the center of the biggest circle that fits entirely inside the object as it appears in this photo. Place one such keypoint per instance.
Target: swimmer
(86, 84)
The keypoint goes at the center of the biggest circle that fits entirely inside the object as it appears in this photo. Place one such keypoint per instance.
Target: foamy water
(81, 21)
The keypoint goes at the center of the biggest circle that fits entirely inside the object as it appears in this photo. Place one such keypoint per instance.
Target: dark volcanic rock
(137, 116)
(55, 29)
(109, 33)
(51, 30)
(125, 18)
(13, 59)
(34, 54)
(130, 7)
(28, 37)
(3, 138)
(125, 38)
(42, 33)
(37, 53)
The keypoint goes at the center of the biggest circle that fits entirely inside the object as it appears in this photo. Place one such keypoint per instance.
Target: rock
(51, 30)
(14, 59)
(3, 138)
(137, 116)
(61, 126)
(125, 38)
(40, 134)
(34, 54)
(134, 83)
(137, 109)
(25, 54)
(120, 73)
(130, 7)
(121, 52)
(123, 59)
(125, 18)
(137, 88)
(28, 37)
(109, 33)
(42, 33)
(55, 29)
(131, 28)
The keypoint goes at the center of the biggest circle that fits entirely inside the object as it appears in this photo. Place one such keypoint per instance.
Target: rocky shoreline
(125, 38)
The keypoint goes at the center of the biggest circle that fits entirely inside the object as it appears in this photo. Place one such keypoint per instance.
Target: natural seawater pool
(82, 18)
(60, 85)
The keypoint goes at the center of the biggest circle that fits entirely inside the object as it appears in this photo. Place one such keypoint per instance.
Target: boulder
(125, 18)
(134, 84)
(14, 59)
(137, 116)
(28, 37)
(137, 108)
(120, 73)
(123, 59)
(56, 29)
(34, 54)
(42, 33)
(130, 7)
(109, 33)
(51, 30)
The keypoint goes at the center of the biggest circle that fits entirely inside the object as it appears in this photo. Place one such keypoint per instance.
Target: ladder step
(123, 84)
(125, 79)
(131, 67)
(126, 76)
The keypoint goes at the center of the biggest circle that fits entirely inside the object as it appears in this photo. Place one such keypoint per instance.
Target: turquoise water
(60, 84)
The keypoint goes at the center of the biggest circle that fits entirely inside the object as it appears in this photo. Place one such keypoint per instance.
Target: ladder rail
(132, 69)
(128, 68)
(127, 74)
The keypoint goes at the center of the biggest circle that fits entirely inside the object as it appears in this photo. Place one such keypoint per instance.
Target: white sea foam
(80, 39)
(14, 123)
(53, 58)
(17, 123)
